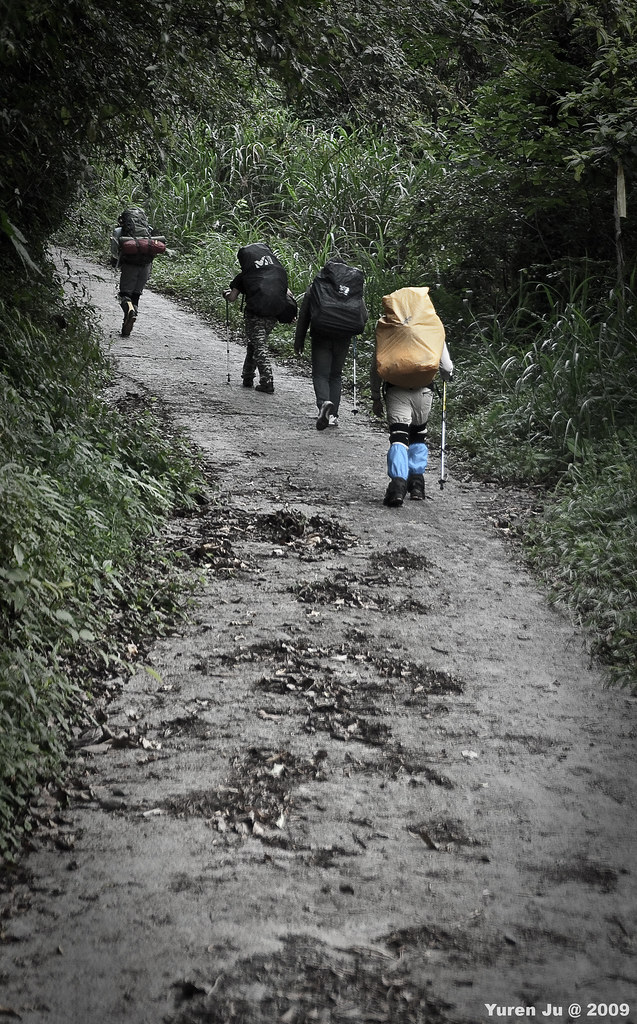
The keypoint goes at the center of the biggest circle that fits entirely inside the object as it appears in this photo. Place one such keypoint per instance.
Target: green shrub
(537, 386)
(83, 493)
(587, 549)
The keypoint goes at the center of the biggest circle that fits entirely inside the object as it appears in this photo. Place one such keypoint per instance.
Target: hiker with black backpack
(410, 350)
(334, 312)
(133, 249)
(263, 282)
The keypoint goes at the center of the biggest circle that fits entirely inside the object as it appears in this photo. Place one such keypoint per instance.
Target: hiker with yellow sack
(410, 350)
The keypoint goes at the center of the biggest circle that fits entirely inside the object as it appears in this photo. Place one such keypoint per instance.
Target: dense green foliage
(547, 395)
(482, 147)
(507, 99)
(586, 549)
(548, 378)
(83, 491)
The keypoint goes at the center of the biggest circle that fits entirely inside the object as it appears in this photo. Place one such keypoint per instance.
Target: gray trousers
(132, 283)
(328, 360)
(410, 406)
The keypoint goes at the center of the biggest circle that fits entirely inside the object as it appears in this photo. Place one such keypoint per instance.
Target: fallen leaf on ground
(426, 838)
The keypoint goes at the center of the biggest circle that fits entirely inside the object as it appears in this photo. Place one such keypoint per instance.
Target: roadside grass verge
(586, 551)
(548, 396)
(84, 491)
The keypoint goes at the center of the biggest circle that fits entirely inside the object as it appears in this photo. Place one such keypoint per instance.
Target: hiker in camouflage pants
(258, 330)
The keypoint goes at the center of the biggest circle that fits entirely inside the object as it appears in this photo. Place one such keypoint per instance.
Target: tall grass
(546, 380)
(586, 549)
(310, 192)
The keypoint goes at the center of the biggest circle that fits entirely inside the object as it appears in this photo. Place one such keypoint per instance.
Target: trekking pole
(443, 436)
(355, 410)
(227, 341)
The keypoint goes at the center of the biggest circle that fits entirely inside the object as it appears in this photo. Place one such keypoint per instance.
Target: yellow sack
(409, 339)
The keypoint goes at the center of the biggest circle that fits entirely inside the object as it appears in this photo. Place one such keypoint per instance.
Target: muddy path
(376, 779)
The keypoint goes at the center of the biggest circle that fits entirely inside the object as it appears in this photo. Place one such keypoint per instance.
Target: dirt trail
(376, 780)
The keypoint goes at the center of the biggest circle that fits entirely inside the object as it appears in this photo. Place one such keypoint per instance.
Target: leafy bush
(545, 381)
(83, 492)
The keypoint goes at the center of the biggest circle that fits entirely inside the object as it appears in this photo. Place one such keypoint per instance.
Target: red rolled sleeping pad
(142, 248)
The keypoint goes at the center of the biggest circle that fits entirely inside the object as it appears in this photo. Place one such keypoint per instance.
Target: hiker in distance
(263, 281)
(410, 349)
(133, 249)
(334, 311)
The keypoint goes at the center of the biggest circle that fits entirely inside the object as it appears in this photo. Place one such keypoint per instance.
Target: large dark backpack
(137, 244)
(134, 223)
(265, 280)
(336, 300)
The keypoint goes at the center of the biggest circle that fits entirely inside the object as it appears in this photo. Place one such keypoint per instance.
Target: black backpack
(265, 281)
(336, 300)
(134, 223)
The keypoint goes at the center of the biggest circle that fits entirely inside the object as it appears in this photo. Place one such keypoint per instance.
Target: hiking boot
(266, 386)
(395, 493)
(416, 487)
(129, 319)
(247, 382)
(325, 411)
